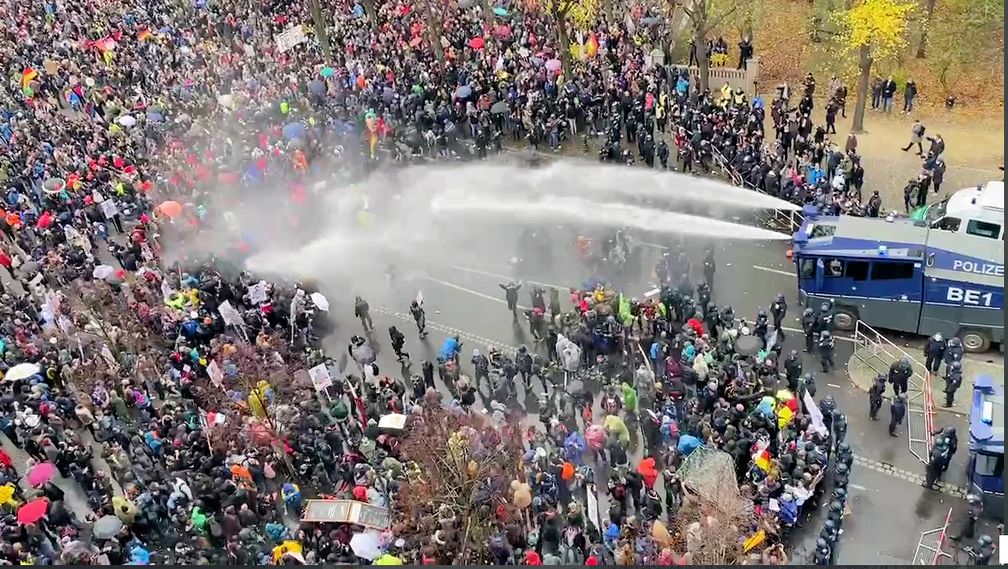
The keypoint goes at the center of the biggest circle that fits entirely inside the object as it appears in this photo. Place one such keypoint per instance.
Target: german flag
(27, 76)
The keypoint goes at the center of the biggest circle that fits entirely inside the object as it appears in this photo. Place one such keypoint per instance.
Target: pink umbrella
(553, 64)
(41, 473)
(595, 435)
(502, 31)
(477, 43)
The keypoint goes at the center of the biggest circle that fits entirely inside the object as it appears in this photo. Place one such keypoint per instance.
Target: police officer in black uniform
(934, 350)
(953, 379)
(793, 369)
(779, 310)
(899, 375)
(808, 324)
(897, 410)
(826, 346)
(875, 394)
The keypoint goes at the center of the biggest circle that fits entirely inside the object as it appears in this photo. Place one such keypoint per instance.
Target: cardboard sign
(215, 373)
(320, 377)
(257, 293)
(109, 208)
(347, 511)
(289, 38)
(230, 315)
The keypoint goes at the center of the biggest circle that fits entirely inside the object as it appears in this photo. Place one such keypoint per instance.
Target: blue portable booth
(986, 445)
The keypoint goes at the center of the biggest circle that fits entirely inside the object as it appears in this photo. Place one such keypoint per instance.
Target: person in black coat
(934, 350)
(897, 411)
(875, 394)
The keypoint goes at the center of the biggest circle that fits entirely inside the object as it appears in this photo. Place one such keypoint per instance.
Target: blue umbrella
(154, 116)
(327, 72)
(500, 11)
(294, 130)
(463, 92)
(316, 87)
(575, 444)
(688, 444)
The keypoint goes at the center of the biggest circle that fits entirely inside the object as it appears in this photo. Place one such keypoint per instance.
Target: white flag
(814, 413)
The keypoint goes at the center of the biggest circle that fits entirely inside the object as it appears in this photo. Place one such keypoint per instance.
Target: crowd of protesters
(147, 404)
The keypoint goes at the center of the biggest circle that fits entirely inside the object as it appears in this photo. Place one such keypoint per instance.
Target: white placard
(215, 373)
(257, 293)
(230, 315)
(109, 208)
(320, 377)
(289, 38)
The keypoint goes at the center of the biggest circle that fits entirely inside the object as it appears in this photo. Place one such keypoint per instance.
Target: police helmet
(807, 312)
(956, 365)
(825, 306)
(985, 540)
(938, 337)
(972, 499)
(826, 334)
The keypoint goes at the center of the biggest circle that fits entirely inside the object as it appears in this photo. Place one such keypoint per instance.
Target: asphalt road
(466, 300)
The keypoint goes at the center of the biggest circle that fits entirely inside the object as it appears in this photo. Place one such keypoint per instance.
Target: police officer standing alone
(875, 396)
(779, 310)
(897, 411)
(826, 346)
(934, 351)
(953, 379)
(899, 375)
(808, 324)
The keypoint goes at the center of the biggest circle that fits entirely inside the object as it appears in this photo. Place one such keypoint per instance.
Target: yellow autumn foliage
(879, 24)
(580, 14)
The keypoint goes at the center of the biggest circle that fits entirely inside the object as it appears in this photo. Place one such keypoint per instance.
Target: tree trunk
(563, 49)
(431, 27)
(370, 10)
(488, 15)
(321, 33)
(703, 58)
(925, 24)
(864, 64)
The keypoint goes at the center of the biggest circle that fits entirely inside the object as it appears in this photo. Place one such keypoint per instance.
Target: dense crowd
(147, 404)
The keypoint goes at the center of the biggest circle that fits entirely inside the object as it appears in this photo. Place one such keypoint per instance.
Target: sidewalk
(863, 375)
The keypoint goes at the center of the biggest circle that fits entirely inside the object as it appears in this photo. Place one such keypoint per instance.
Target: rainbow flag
(27, 76)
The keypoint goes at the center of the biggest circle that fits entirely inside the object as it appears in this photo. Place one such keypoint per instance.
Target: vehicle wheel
(844, 319)
(975, 340)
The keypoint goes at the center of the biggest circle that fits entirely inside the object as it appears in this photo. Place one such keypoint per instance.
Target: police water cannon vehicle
(941, 273)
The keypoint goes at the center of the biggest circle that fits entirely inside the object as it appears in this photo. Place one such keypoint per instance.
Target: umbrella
(595, 435)
(294, 130)
(688, 443)
(502, 31)
(7, 495)
(127, 120)
(366, 545)
(499, 108)
(463, 92)
(320, 301)
(748, 345)
(500, 11)
(575, 444)
(417, 40)
(553, 64)
(170, 208)
(106, 527)
(103, 272)
(22, 371)
(155, 116)
(364, 354)
(226, 100)
(33, 511)
(54, 185)
(477, 43)
(327, 72)
(387, 559)
(316, 87)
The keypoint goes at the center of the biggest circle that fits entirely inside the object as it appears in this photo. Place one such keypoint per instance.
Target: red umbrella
(477, 43)
(41, 473)
(32, 511)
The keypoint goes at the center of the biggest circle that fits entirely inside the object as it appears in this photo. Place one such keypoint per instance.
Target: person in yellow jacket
(661, 111)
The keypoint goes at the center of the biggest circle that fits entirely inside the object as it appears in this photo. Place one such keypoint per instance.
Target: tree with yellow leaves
(567, 15)
(875, 29)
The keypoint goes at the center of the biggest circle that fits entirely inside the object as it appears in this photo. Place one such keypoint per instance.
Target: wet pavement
(889, 508)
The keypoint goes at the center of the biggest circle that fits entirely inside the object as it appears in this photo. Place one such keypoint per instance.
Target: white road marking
(503, 277)
(834, 386)
(778, 271)
(469, 291)
(856, 486)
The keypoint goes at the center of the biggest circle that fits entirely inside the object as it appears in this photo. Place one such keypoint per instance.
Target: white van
(974, 211)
